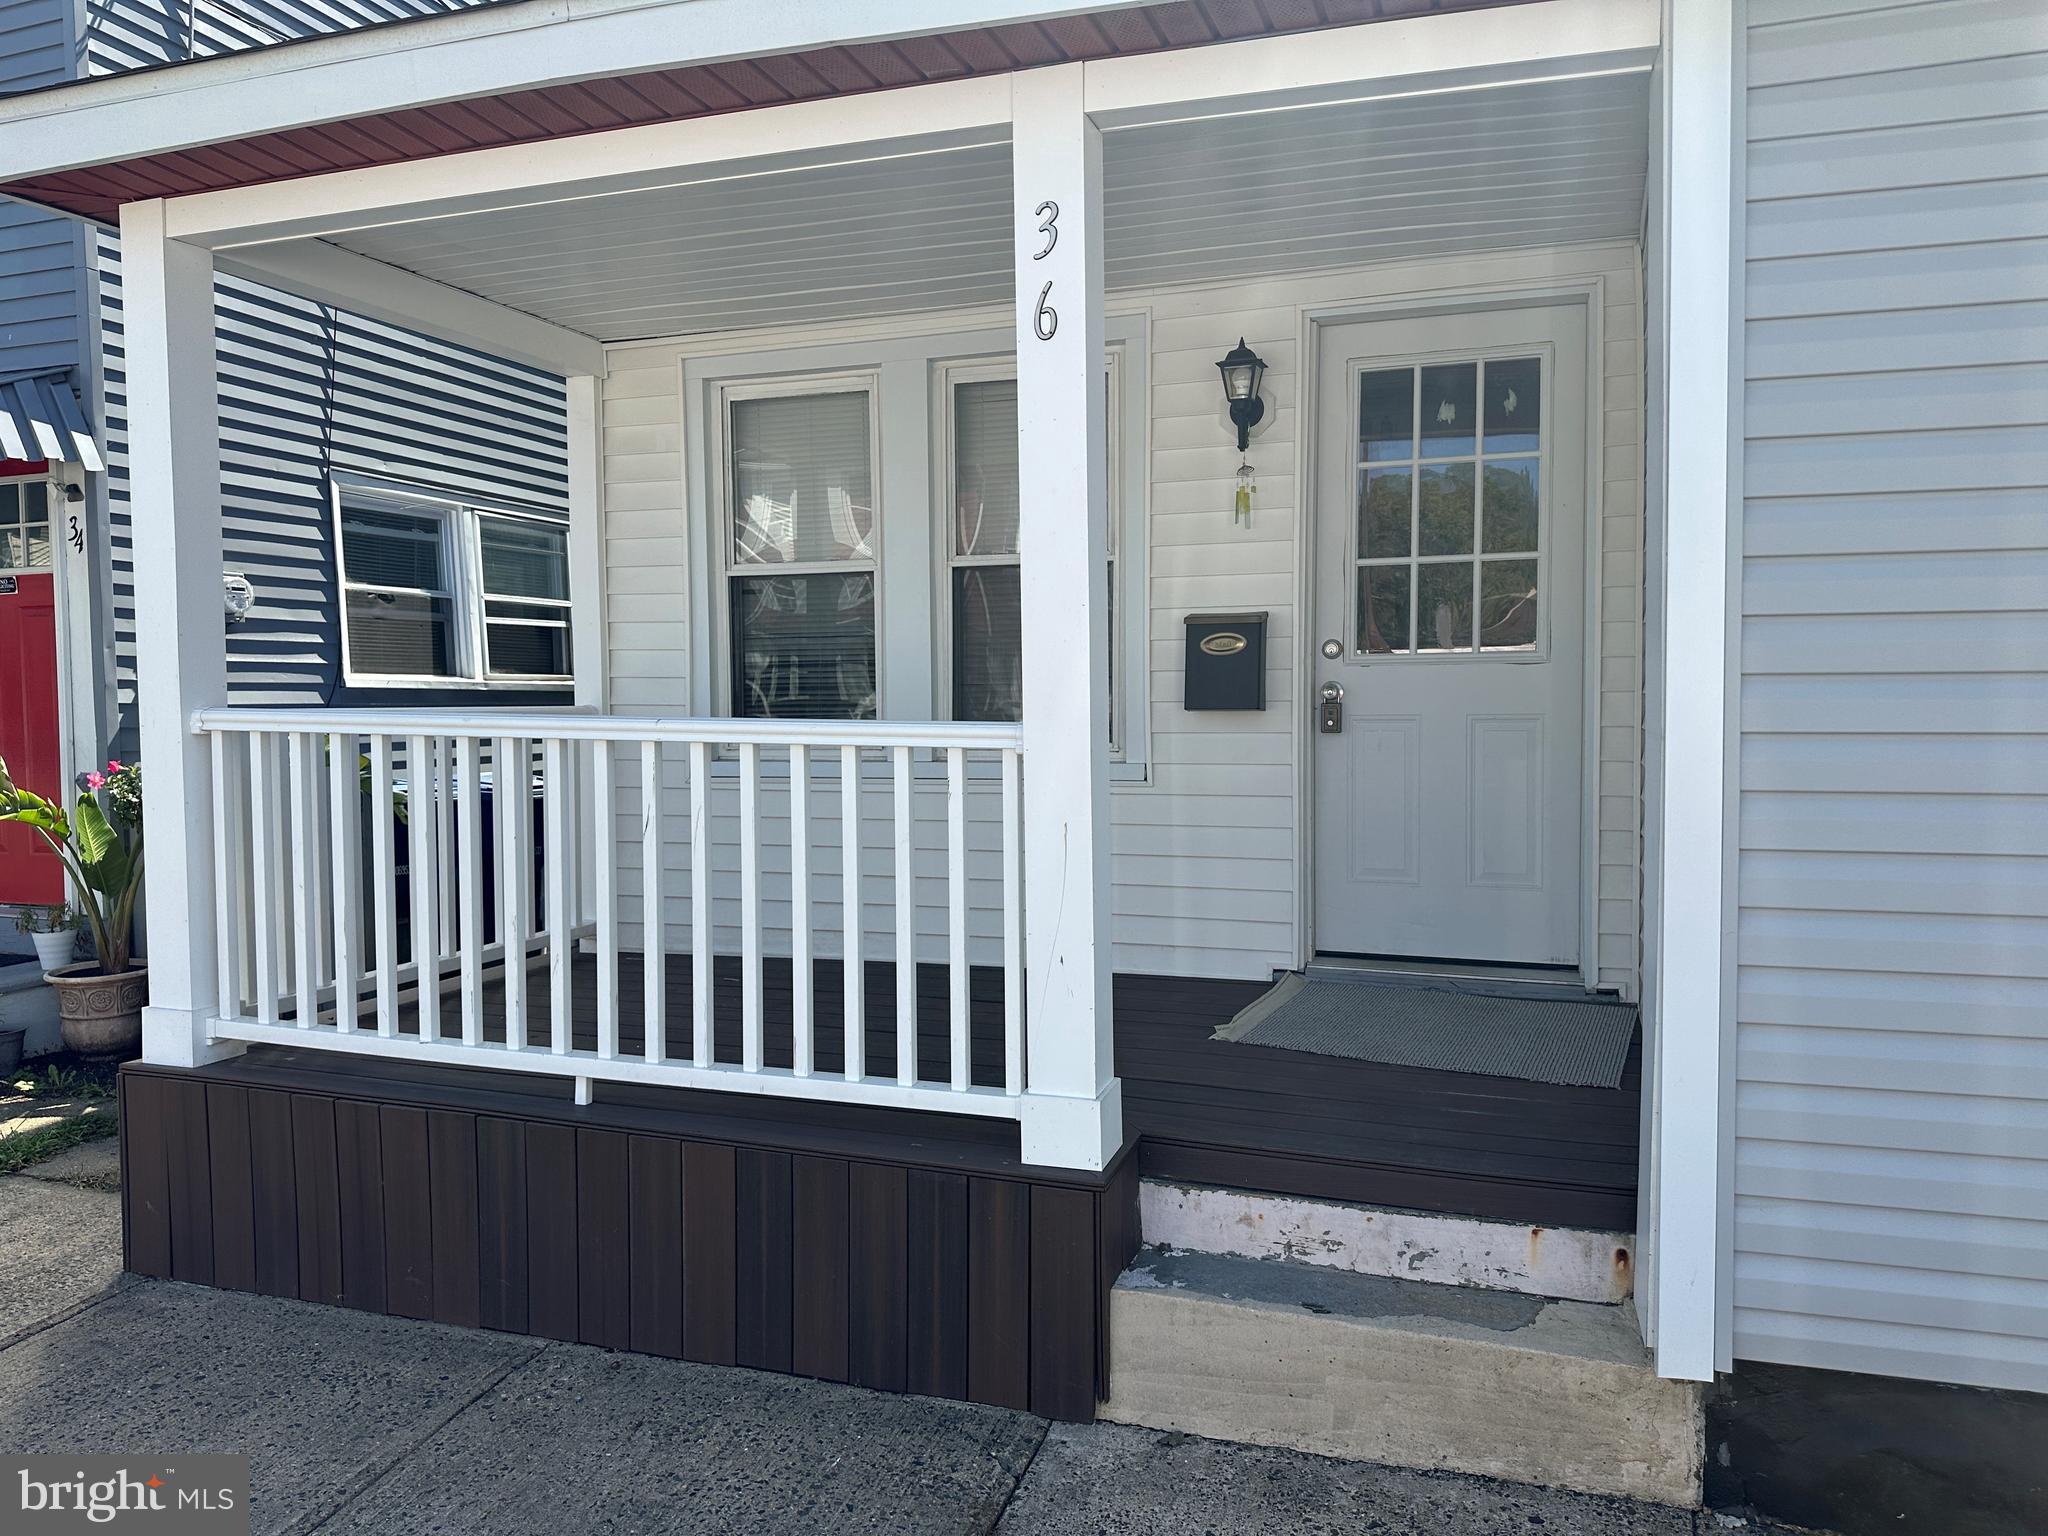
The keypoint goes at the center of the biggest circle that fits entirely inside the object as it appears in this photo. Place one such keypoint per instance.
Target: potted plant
(99, 1001)
(52, 929)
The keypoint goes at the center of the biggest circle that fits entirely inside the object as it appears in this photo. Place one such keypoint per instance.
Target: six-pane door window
(801, 560)
(438, 590)
(1449, 508)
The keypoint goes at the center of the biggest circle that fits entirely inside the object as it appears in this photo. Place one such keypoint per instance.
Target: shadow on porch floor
(1208, 1111)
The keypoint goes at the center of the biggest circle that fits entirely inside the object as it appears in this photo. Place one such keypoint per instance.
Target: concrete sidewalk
(359, 1423)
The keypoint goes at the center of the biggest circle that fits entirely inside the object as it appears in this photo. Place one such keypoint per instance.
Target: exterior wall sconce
(1243, 371)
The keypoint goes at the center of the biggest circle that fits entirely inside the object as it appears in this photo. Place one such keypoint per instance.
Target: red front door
(29, 872)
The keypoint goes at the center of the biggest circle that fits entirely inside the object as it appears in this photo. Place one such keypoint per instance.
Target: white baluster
(1013, 926)
(653, 961)
(423, 820)
(853, 940)
(956, 912)
(229, 876)
(906, 927)
(344, 807)
(305, 877)
(605, 852)
(800, 909)
(700, 903)
(444, 839)
(561, 879)
(750, 907)
(384, 887)
(469, 858)
(509, 791)
(263, 871)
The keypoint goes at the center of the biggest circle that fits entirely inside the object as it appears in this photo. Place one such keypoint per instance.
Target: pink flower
(113, 765)
(95, 780)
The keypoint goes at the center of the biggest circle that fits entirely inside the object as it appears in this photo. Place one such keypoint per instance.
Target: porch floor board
(1206, 1111)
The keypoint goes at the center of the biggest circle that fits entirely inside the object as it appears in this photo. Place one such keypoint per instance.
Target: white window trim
(462, 559)
(53, 509)
(947, 377)
(1357, 561)
(725, 524)
(906, 473)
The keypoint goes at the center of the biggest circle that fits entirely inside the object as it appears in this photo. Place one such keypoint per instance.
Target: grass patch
(64, 1076)
(28, 1148)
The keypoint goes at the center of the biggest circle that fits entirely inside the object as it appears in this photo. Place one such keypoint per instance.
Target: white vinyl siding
(1207, 854)
(1891, 1114)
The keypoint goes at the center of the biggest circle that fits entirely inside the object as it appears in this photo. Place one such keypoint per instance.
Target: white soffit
(1552, 162)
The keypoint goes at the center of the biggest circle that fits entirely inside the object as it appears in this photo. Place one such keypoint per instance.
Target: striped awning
(40, 418)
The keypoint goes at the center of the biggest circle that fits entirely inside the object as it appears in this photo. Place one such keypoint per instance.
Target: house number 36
(1045, 320)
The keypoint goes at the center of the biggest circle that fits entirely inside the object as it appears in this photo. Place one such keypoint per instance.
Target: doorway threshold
(1476, 976)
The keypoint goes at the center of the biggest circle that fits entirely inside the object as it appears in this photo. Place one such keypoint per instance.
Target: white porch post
(180, 630)
(1073, 1112)
(1690, 992)
(583, 405)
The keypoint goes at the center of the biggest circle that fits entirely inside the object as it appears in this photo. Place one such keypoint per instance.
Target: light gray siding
(41, 254)
(1891, 1159)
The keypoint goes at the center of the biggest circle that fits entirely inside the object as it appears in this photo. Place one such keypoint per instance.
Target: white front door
(1449, 615)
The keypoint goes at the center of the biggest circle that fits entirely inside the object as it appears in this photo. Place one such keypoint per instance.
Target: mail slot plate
(1226, 661)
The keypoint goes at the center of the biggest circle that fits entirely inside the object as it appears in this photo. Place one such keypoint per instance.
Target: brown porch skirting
(902, 1252)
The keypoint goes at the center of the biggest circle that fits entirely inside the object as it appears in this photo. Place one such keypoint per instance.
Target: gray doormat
(1573, 1042)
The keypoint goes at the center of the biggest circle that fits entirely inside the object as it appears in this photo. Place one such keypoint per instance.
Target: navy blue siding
(41, 255)
(306, 392)
(133, 34)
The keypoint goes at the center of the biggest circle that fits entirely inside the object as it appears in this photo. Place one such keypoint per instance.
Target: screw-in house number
(1045, 320)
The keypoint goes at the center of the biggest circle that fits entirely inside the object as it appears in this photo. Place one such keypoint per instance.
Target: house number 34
(1045, 320)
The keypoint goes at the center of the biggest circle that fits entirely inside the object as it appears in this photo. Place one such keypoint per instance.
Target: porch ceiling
(919, 228)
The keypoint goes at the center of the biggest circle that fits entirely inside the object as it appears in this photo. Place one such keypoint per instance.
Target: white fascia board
(327, 274)
(947, 113)
(1456, 50)
(482, 51)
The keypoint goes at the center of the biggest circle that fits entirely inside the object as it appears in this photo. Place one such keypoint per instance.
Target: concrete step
(1570, 1263)
(1452, 1378)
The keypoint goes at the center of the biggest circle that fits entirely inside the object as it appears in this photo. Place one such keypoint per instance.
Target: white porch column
(1687, 1009)
(583, 408)
(1073, 1112)
(180, 629)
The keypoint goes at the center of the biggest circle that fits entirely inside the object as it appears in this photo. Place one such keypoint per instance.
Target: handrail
(974, 735)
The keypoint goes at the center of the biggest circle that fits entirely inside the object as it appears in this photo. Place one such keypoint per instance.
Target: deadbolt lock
(1333, 650)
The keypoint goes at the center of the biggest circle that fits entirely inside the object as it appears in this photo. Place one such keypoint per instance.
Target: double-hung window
(437, 591)
(800, 551)
(987, 640)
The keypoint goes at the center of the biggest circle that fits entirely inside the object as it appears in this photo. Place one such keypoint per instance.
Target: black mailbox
(1226, 666)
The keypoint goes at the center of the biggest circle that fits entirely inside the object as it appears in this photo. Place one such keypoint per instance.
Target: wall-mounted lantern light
(1243, 371)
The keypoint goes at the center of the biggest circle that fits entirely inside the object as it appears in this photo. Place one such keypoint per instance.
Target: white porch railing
(328, 938)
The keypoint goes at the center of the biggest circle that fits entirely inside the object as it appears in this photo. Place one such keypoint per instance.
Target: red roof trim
(520, 117)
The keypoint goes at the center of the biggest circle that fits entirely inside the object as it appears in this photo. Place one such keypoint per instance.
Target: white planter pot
(55, 949)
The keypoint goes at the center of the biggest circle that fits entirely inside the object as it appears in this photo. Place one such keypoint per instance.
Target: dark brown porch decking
(1205, 1111)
